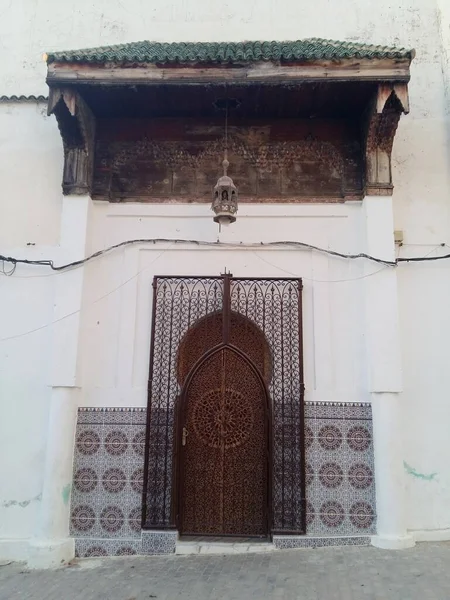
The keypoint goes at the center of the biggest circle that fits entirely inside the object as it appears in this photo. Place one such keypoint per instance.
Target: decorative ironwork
(262, 318)
(275, 306)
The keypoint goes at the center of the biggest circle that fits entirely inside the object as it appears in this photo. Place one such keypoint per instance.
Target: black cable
(423, 258)
(10, 272)
(333, 252)
(76, 263)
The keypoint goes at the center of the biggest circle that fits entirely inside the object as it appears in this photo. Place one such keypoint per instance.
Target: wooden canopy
(312, 120)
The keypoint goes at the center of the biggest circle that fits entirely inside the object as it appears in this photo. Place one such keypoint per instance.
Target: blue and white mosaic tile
(287, 542)
(109, 470)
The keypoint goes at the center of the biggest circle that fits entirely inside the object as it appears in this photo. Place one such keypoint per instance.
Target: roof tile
(228, 52)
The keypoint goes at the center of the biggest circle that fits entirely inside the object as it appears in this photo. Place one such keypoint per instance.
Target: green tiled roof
(228, 52)
(15, 98)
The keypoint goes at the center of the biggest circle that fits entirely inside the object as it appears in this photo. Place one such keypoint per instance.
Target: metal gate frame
(275, 306)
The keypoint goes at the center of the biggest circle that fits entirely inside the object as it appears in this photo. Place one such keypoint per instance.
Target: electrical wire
(19, 335)
(422, 258)
(292, 244)
(67, 268)
(318, 280)
(285, 243)
(428, 253)
(75, 264)
(10, 272)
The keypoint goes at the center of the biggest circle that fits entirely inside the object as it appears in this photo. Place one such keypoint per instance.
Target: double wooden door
(224, 456)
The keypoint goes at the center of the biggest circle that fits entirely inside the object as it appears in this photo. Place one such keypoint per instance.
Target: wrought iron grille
(274, 306)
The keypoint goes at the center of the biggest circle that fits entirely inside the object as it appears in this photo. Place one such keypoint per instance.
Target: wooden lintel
(401, 91)
(54, 97)
(70, 100)
(379, 189)
(194, 200)
(344, 70)
(384, 92)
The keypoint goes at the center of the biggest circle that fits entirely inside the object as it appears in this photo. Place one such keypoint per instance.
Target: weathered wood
(401, 92)
(75, 174)
(77, 126)
(181, 159)
(320, 153)
(381, 124)
(344, 70)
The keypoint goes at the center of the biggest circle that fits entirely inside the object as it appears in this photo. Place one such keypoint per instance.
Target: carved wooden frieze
(263, 167)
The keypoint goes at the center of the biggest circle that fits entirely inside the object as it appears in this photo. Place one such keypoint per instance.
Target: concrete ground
(350, 573)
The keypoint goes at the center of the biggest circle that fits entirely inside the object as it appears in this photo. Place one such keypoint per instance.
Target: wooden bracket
(381, 123)
(76, 123)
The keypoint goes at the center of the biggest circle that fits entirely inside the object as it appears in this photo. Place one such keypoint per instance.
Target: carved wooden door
(224, 449)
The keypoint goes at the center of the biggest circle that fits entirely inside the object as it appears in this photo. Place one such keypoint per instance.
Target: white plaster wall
(30, 206)
(421, 203)
(31, 161)
(117, 301)
(26, 305)
(444, 28)
(113, 373)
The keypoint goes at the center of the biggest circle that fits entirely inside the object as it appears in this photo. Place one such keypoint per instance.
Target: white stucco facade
(82, 338)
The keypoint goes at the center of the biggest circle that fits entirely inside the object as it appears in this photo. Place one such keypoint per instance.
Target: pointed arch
(224, 447)
(207, 333)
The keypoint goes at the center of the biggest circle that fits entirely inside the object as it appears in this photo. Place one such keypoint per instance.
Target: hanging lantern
(225, 197)
(225, 194)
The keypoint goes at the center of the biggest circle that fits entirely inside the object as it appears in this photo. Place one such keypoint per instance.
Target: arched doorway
(251, 327)
(224, 430)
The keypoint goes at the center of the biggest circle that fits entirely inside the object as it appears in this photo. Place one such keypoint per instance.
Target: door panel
(225, 454)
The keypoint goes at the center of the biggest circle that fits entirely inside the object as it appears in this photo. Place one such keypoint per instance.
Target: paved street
(421, 573)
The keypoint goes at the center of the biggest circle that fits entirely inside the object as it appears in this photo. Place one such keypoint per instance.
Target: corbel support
(76, 123)
(380, 126)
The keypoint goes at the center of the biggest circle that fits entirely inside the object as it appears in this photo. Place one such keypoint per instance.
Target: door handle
(184, 436)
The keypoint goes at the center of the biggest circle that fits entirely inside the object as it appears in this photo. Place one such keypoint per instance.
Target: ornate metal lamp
(225, 193)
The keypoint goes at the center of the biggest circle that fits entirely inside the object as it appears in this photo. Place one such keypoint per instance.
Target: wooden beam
(190, 199)
(400, 90)
(357, 70)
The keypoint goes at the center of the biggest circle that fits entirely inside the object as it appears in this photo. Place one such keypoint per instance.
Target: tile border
(150, 543)
(112, 409)
(329, 403)
(286, 542)
(154, 543)
(92, 547)
(144, 408)
(159, 542)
